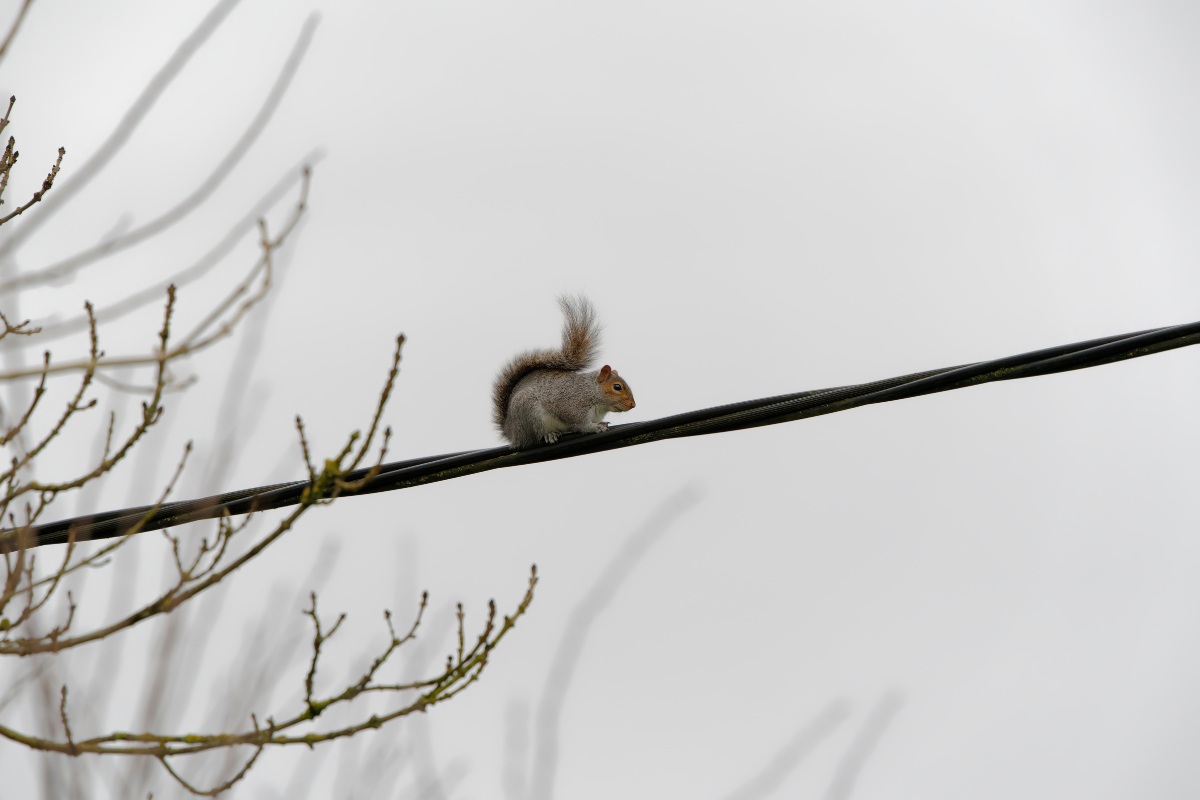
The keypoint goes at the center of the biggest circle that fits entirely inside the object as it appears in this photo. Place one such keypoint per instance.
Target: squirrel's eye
(617, 386)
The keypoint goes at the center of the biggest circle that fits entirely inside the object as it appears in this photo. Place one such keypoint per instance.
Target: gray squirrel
(542, 394)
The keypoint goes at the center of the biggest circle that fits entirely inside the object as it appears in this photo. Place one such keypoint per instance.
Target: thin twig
(47, 184)
(456, 678)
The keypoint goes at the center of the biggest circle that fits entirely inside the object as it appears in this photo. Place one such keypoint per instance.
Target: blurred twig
(785, 761)
(864, 744)
(12, 29)
(108, 246)
(217, 324)
(124, 129)
(587, 611)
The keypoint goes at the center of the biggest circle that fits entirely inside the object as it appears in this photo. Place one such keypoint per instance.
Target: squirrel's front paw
(598, 427)
(551, 437)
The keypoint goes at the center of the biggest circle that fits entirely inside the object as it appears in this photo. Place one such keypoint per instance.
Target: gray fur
(542, 393)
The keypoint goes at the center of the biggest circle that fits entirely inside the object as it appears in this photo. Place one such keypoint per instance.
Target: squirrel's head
(616, 390)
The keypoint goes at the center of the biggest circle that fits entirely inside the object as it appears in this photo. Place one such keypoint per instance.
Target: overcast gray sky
(759, 198)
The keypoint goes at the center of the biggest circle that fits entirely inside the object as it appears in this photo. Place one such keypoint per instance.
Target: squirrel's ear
(605, 371)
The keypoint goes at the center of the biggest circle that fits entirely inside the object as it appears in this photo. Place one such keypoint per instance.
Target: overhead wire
(720, 419)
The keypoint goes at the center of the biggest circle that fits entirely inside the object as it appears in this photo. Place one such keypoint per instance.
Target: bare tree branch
(10, 158)
(124, 129)
(460, 673)
(109, 246)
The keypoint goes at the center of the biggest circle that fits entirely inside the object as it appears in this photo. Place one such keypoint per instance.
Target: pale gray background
(760, 198)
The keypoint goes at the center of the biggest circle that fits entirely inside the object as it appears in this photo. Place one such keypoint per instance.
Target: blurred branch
(140, 298)
(213, 327)
(112, 245)
(860, 750)
(124, 129)
(579, 627)
(784, 762)
(12, 29)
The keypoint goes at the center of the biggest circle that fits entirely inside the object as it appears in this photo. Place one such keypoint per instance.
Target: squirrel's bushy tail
(580, 341)
(580, 334)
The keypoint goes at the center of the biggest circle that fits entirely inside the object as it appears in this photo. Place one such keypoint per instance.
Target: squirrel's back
(580, 342)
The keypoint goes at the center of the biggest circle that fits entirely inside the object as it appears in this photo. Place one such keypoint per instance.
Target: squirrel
(542, 394)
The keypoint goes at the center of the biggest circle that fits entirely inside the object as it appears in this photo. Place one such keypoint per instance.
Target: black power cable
(737, 416)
